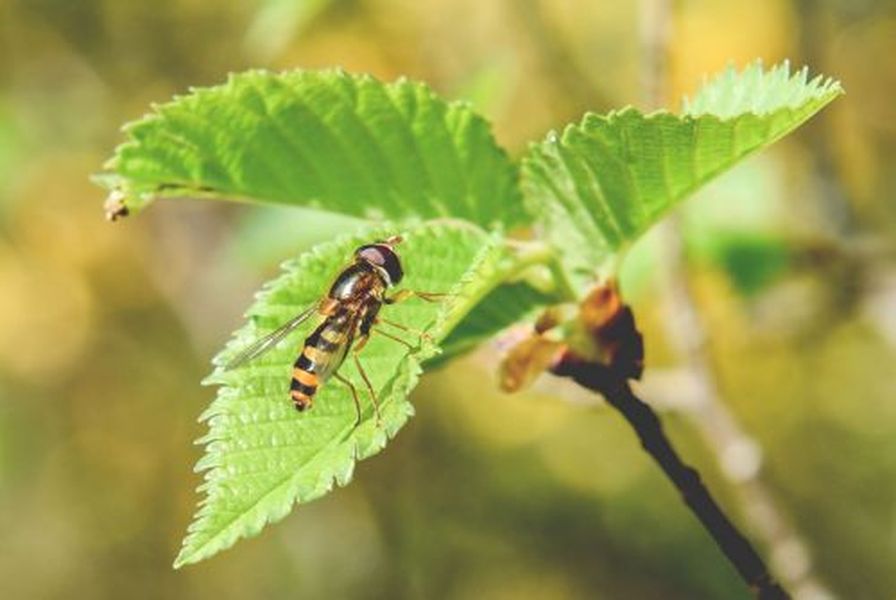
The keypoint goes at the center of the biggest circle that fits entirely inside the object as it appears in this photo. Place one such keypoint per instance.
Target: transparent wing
(329, 365)
(262, 345)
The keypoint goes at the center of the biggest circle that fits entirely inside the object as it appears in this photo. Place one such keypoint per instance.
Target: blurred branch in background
(738, 455)
(870, 255)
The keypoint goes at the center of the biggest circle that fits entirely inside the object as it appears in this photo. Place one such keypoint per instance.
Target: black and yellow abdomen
(303, 387)
(323, 352)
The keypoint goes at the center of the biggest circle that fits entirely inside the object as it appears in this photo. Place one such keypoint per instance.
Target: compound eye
(381, 255)
(393, 267)
(372, 254)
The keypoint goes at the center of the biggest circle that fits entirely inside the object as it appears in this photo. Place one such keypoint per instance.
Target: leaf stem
(564, 286)
(537, 253)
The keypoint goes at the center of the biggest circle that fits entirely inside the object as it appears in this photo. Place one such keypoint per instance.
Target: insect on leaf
(603, 182)
(345, 143)
(261, 455)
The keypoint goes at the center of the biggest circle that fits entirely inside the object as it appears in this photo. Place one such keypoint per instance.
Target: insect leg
(393, 337)
(419, 332)
(354, 392)
(372, 318)
(373, 399)
(403, 295)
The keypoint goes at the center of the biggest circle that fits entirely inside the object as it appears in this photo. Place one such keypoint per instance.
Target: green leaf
(597, 187)
(346, 143)
(261, 455)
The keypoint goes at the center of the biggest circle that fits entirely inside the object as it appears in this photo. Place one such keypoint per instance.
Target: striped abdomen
(324, 351)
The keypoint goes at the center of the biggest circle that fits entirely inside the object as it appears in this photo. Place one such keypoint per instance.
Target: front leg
(403, 295)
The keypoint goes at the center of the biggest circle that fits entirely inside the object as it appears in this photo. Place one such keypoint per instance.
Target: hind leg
(354, 392)
(419, 332)
(373, 399)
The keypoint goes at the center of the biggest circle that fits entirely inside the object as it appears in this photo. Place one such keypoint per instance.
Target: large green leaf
(598, 186)
(261, 455)
(347, 143)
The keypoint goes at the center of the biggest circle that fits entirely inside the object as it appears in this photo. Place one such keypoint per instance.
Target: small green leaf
(602, 183)
(261, 455)
(345, 143)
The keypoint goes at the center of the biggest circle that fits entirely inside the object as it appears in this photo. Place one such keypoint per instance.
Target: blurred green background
(106, 329)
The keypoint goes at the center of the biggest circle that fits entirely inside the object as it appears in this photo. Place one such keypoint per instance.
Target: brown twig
(647, 425)
(712, 416)
(611, 352)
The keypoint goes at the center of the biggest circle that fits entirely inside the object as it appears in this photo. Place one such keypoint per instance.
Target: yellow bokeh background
(107, 329)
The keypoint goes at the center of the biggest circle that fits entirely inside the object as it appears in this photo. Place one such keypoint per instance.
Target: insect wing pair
(268, 342)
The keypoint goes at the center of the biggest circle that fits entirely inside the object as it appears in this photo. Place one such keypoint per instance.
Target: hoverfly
(350, 310)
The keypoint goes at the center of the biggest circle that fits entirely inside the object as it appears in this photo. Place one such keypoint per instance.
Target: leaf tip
(183, 559)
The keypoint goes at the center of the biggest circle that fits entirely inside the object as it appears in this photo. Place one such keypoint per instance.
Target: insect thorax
(355, 282)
